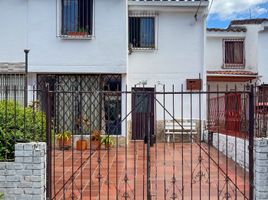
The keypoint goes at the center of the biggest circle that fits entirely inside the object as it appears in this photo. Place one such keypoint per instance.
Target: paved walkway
(99, 180)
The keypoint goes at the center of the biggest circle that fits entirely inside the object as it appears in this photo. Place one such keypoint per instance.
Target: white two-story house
(93, 45)
(236, 56)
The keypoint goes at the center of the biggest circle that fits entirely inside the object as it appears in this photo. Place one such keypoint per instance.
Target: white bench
(175, 128)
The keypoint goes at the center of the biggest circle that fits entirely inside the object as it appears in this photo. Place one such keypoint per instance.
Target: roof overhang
(168, 5)
(231, 76)
(226, 34)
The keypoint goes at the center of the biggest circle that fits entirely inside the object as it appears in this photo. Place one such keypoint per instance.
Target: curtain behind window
(70, 14)
(147, 32)
(234, 52)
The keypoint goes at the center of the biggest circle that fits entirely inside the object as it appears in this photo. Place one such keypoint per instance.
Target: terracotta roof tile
(248, 21)
(230, 29)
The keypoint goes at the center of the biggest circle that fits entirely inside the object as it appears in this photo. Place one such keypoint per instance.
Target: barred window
(142, 32)
(234, 53)
(77, 17)
(7, 86)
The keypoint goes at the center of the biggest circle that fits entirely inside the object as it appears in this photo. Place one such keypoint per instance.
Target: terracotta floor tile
(105, 174)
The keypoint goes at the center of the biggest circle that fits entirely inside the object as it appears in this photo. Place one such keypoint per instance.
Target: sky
(223, 11)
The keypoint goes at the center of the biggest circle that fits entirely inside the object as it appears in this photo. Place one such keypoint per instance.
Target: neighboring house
(235, 56)
(95, 45)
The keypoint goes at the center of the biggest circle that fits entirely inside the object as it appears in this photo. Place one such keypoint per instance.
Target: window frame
(60, 24)
(233, 65)
(155, 33)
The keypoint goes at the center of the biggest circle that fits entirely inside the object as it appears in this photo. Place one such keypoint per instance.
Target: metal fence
(19, 123)
(136, 143)
(160, 152)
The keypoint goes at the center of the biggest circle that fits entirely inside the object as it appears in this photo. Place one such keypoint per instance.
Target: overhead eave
(167, 5)
(226, 34)
(231, 77)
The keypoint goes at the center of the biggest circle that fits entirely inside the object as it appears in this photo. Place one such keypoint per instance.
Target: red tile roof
(230, 29)
(249, 21)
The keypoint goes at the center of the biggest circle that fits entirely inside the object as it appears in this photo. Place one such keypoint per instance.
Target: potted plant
(95, 139)
(82, 124)
(64, 140)
(108, 141)
(79, 32)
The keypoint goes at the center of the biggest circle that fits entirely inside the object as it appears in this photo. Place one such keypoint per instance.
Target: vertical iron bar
(73, 130)
(192, 140)
(34, 114)
(164, 116)
(182, 153)
(135, 152)
(173, 146)
(26, 51)
(155, 140)
(210, 142)
(63, 147)
(236, 157)
(148, 148)
(226, 146)
(251, 143)
(15, 113)
(200, 152)
(116, 167)
(49, 147)
(108, 96)
(245, 149)
(218, 143)
(126, 156)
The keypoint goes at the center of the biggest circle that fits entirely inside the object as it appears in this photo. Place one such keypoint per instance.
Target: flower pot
(64, 143)
(73, 33)
(95, 145)
(81, 145)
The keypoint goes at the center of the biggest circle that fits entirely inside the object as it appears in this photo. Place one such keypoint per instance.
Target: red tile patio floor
(112, 173)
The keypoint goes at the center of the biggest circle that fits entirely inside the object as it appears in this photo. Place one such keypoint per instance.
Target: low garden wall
(25, 179)
(242, 158)
(236, 148)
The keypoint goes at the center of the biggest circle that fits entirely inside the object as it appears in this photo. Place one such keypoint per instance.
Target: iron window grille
(9, 83)
(77, 18)
(142, 31)
(93, 101)
(234, 53)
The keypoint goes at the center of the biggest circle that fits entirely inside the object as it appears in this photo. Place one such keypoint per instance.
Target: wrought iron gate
(195, 150)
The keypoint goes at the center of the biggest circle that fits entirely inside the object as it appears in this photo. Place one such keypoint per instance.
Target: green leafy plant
(19, 124)
(66, 135)
(64, 139)
(1, 196)
(107, 140)
(81, 30)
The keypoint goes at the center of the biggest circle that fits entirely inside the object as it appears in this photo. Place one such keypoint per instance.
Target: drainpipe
(26, 51)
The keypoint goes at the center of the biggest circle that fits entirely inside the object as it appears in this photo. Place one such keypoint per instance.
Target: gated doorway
(143, 110)
(199, 161)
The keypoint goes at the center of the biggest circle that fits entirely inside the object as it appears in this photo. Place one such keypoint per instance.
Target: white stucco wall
(13, 30)
(35, 26)
(263, 55)
(214, 48)
(179, 56)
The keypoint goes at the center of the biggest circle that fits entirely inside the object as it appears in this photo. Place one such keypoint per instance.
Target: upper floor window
(77, 18)
(234, 54)
(142, 32)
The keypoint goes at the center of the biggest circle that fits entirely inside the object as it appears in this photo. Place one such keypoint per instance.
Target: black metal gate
(198, 149)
